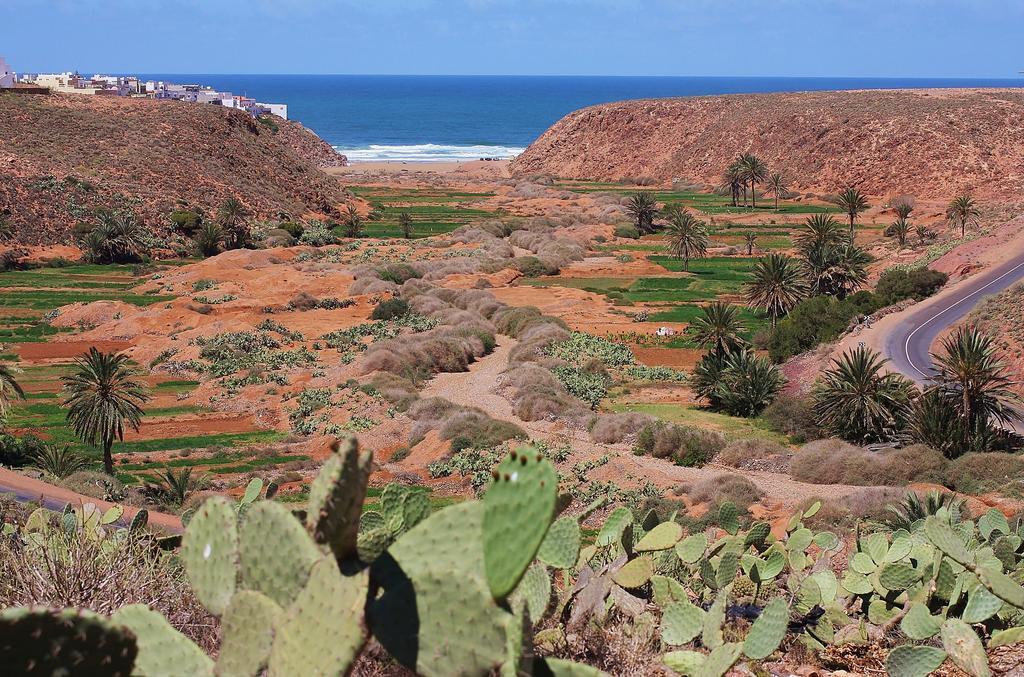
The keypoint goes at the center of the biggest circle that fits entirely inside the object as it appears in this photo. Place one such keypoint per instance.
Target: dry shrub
(534, 340)
(683, 445)
(95, 484)
(304, 301)
(793, 416)
(441, 350)
(475, 429)
(537, 395)
(615, 428)
(401, 392)
(869, 503)
(838, 462)
(372, 285)
(70, 571)
(727, 487)
(738, 454)
(981, 472)
(616, 645)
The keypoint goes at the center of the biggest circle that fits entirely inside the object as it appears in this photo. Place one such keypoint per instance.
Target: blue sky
(953, 38)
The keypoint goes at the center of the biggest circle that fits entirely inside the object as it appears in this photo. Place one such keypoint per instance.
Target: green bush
(897, 284)
(16, 452)
(793, 416)
(186, 222)
(817, 320)
(294, 229)
(683, 445)
(588, 385)
(399, 273)
(390, 309)
(627, 231)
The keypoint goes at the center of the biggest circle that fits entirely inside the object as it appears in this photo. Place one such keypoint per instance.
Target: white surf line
(906, 344)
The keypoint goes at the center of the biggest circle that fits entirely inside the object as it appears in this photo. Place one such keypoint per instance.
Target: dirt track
(477, 388)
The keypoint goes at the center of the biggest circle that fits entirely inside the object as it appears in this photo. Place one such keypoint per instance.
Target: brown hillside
(62, 156)
(922, 142)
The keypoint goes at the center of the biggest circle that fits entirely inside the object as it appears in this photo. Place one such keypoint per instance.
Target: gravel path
(478, 388)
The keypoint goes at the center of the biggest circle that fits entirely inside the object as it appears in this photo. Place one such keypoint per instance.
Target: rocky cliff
(64, 156)
(919, 142)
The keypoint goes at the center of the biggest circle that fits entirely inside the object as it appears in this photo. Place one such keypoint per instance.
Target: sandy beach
(489, 168)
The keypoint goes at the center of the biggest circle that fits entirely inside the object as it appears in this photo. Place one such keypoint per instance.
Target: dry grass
(979, 473)
(739, 454)
(837, 462)
(726, 487)
(615, 428)
(867, 504)
(683, 445)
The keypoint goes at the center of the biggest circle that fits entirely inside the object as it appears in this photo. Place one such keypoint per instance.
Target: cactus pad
(661, 537)
(981, 605)
(898, 576)
(666, 590)
(614, 526)
(162, 649)
(209, 550)
(436, 614)
(68, 642)
(561, 545)
(248, 628)
(919, 624)
(372, 543)
(728, 517)
(948, 541)
(1004, 637)
(914, 661)
(275, 552)
(518, 508)
(768, 630)
(322, 632)
(559, 667)
(1001, 585)
(635, 573)
(756, 534)
(535, 591)
(336, 498)
(139, 520)
(964, 647)
(711, 633)
(689, 663)
(991, 522)
(692, 548)
(681, 622)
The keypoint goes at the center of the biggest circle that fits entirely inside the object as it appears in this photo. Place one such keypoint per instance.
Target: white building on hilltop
(6, 75)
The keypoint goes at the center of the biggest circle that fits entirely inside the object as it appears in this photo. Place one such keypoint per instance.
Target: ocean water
(429, 118)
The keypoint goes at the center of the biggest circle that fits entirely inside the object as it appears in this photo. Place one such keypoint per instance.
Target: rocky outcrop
(62, 157)
(920, 142)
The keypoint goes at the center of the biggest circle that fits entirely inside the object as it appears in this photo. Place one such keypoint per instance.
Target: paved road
(908, 345)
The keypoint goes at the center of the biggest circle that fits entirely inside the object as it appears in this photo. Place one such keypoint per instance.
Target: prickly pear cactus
(275, 552)
(518, 509)
(768, 631)
(209, 551)
(336, 498)
(162, 649)
(914, 661)
(248, 630)
(64, 642)
(561, 545)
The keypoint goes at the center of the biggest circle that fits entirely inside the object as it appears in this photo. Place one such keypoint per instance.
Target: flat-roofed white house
(7, 77)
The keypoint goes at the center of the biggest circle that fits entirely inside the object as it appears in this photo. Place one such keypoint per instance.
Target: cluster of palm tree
(116, 237)
(730, 376)
(827, 263)
(643, 209)
(965, 407)
(900, 228)
(745, 173)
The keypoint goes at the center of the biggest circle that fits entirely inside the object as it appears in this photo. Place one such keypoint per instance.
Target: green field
(730, 426)
(432, 211)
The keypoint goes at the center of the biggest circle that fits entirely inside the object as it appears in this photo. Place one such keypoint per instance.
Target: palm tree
(903, 206)
(353, 222)
(209, 238)
(856, 400)
(732, 182)
(973, 381)
(104, 396)
(962, 210)
(776, 186)
(837, 271)
(748, 384)
(754, 171)
(405, 223)
(718, 329)
(899, 229)
(924, 233)
(231, 216)
(853, 202)
(911, 510)
(643, 208)
(173, 488)
(750, 239)
(777, 284)
(59, 460)
(819, 231)
(687, 236)
(9, 390)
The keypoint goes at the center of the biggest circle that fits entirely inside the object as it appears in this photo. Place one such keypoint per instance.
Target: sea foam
(427, 152)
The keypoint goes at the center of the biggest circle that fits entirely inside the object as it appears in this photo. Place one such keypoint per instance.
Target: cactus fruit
(914, 661)
(768, 631)
(561, 545)
(336, 498)
(728, 517)
(692, 548)
(275, 552)
(248, 630)
(162, 649)
(964, 647)
(635, 573)
(919, 624)
(681, 622)
(662, 537)
(435, 613)
(614, 526)
(323, 630)
(68, 642)
(209, 550)
(518, 509)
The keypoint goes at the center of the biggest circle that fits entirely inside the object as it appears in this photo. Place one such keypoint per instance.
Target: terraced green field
(432, 211)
